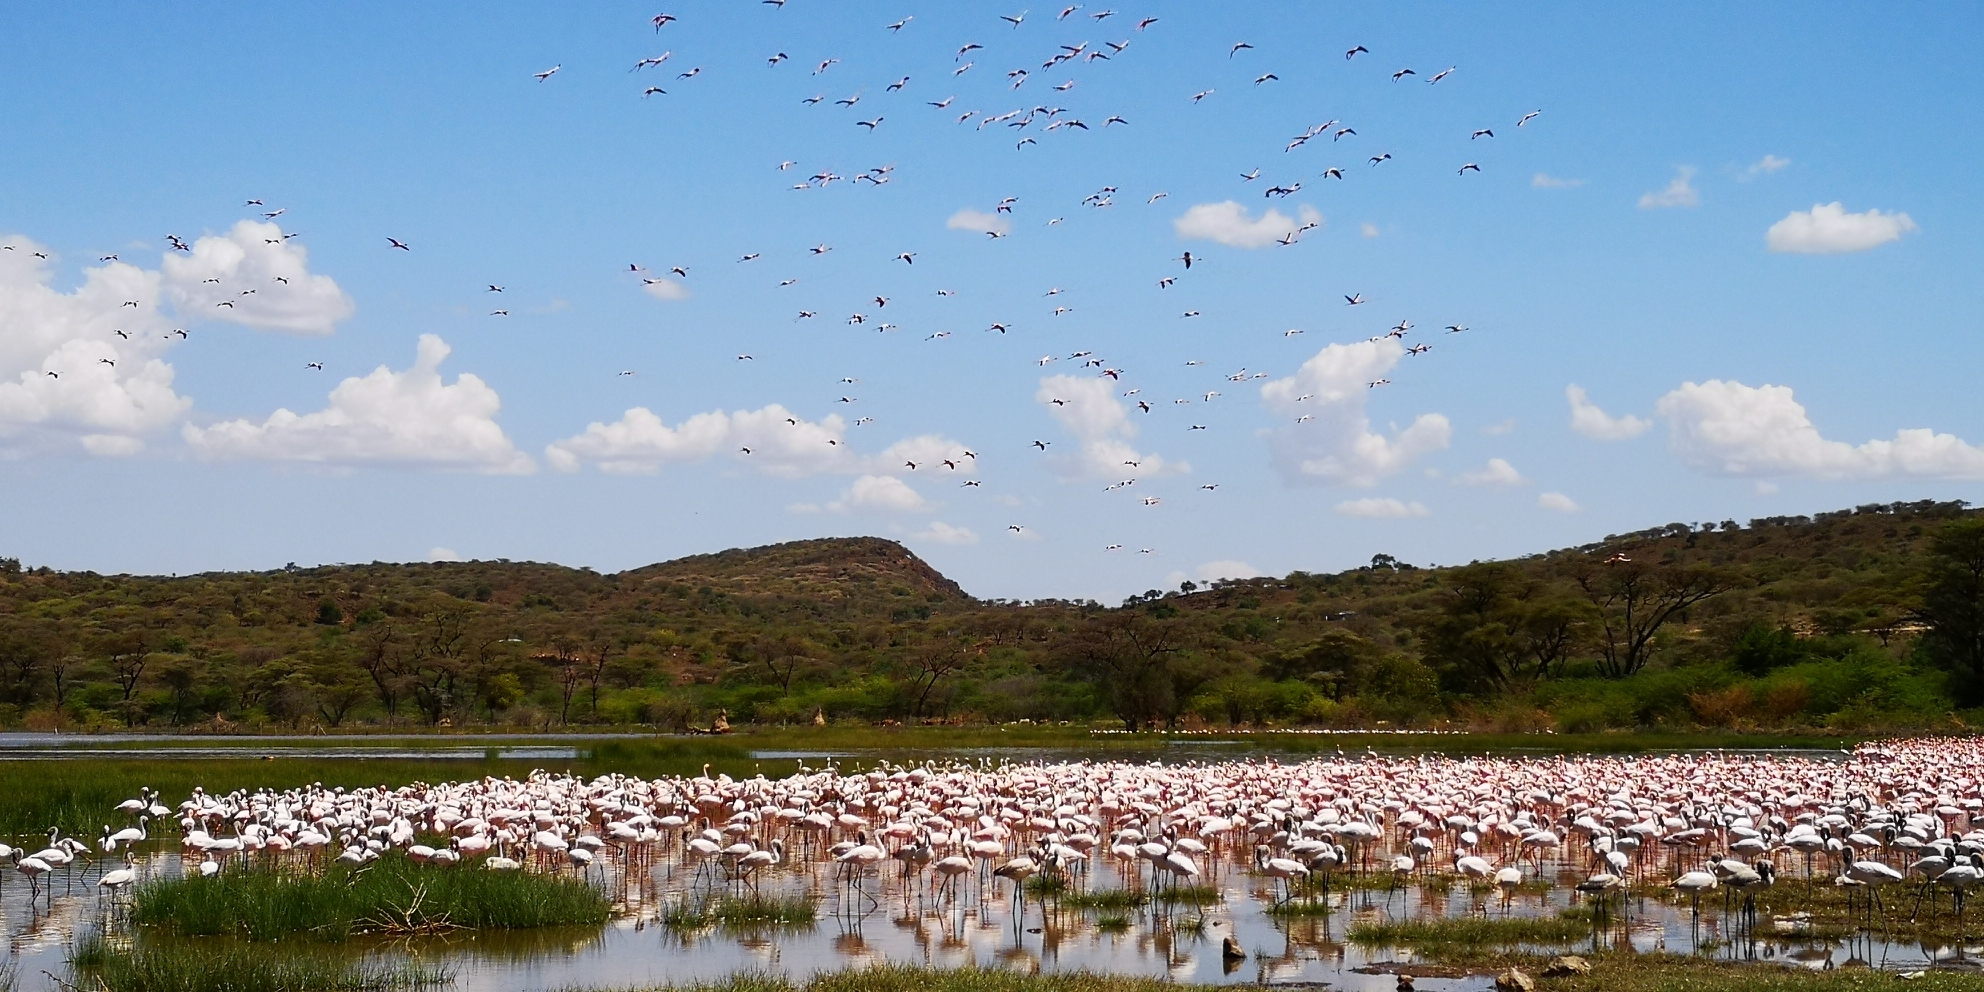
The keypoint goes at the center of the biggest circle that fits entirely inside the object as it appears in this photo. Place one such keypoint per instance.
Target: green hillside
(1860, 619)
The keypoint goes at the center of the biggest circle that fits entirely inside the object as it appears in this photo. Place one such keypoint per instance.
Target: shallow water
(888, 921)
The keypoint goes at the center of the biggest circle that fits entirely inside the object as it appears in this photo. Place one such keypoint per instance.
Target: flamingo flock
(1885, 814)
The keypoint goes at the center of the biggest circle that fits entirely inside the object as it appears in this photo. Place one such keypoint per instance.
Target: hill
(1841, 619)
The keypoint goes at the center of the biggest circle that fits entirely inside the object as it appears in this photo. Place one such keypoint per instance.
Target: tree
(1469, 639)
(1953, 606)
(381, 662)
(1634, 600)
(935, 661)
(1129, 654)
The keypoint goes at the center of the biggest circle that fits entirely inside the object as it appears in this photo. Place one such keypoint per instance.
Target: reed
(389, 896)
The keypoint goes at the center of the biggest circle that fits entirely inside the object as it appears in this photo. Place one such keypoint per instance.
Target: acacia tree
(935, 661)
(1953, 605)
(1634, 600)
(1130, 655)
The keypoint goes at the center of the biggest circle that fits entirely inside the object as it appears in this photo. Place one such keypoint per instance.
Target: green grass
(742, 914)
(1110, 899)
(1669, 973)
(1190, 895)
(232, 966)
(908, 978)
(390, 895)
(1112, 923)
(80, 796)
(1469, 931)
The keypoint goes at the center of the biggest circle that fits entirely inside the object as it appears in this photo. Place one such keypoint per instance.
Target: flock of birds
(1884, 816)
(1030, 120)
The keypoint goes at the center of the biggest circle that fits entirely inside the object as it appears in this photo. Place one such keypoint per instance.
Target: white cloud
(940, 532)
(1497, 474)
(1228, 224)
(387, 417)
(1728, 428)
(442, 554)
(1380, 507)
(1497, 430)
(879, 494)
(1213, 571)
(1090, 411)
(1544, 180)
(1827, 229)
(781, 443)
(1556, 502)
(1368, 229)
(74, 335)
(1336, 446)
(1765, 166)
(242, 278)
(1594, 423)
(978, 220)
(665, 288)
(1679, 192)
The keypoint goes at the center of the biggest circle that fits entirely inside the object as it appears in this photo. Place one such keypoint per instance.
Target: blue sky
(1661, 235)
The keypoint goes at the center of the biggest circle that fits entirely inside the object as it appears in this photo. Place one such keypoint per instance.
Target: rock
(1230, 950)
(1405, 983)
(1513, 980)
(1569, 964)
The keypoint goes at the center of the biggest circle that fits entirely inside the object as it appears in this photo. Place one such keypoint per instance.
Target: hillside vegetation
(1863, 619)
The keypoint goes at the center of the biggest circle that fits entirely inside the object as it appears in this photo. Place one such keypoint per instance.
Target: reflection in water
(890, 921)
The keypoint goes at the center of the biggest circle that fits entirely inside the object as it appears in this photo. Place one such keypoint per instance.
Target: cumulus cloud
(1594, 423)
(1497, 474)
(665, 288)
(1228, 224)
(105, 385)
(1544, 180)
(1380, 507)
(1728, 428)
(1556, 502)
(1827, 229)
(879, 494)
(1678, 193)
(943, 533)
(442, 554)
(1213, 571)
(1089, 410)
(253, 276)
(779, 442)
(408, 418)
(1765, 166)
(1336, 446)
(1368, 229)
(980, 221)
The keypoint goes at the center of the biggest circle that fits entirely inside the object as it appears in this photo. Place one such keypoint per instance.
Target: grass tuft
(742, 914)
(1469, 931)
(1106, 899)
(206, 965)
(391, 896)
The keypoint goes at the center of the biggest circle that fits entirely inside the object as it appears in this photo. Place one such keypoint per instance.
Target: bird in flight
(319, 366)
(1354, 299)
(1264, 78)
(1146, 22)
(1470, 165)
(1442, 74)
(1526, 118)
(1014, 19)
(548, 73)
(1187, 259)
(1386, 157)
(1200, 95)
(899, 25)
(1396, 76)
(1483, 133)
(1250, 176)
(1354, 52)
(1235, 50)
(397, 243)
(1455, 328)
